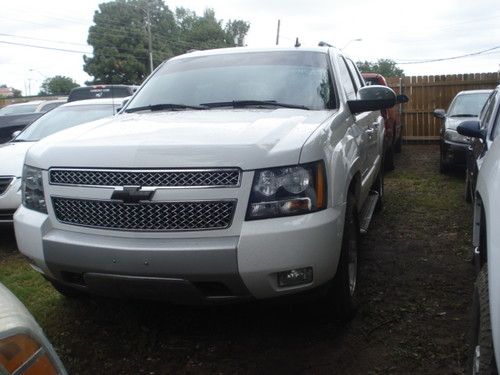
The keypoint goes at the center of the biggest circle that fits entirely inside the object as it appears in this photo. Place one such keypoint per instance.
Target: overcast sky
(400, 30)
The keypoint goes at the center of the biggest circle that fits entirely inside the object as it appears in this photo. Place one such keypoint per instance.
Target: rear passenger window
(345, 79)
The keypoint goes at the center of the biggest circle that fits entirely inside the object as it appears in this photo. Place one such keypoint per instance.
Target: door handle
(375, 125)
(370, 131)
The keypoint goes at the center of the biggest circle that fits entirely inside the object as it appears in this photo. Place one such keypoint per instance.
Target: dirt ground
(415, 289)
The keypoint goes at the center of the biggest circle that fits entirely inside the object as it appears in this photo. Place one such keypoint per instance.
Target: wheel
(399, 143)
(482, 358)
(468, 187)
(443, 165)
(342, 295)
(67, 291)
(378, 186)
(389, 159)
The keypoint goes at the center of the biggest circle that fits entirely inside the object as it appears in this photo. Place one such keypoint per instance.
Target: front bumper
(454, 152)
(10, 200)
(189, 269)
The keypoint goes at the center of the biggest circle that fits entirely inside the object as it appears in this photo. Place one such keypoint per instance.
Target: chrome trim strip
(237, 185)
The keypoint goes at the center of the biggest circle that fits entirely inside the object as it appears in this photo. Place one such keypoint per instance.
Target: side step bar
(366, 214)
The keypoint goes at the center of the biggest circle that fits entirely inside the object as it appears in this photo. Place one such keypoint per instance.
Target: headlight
(24, 349)
(285, 191)
(453, 136)
(32, 189)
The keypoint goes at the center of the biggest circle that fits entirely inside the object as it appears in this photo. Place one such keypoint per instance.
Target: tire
(342, 296)
(468, 187)
(482, 357)
(67, 291)
(399, 143)
(378, 186)
(443, 165)
(389, 159)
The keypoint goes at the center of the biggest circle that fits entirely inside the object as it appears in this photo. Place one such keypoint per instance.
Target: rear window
(18, 109)
(82, 93)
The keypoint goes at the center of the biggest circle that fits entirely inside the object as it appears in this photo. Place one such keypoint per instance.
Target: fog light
(295, 277)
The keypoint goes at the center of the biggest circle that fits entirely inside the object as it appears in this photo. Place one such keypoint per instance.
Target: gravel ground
(415, 289)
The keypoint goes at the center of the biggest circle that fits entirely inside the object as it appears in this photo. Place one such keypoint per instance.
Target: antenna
(297, 43)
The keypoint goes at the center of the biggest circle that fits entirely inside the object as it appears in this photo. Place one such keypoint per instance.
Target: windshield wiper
(249, 103)
(164, 106)
(463, 115)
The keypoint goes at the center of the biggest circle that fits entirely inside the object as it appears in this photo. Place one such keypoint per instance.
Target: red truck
(393, 127)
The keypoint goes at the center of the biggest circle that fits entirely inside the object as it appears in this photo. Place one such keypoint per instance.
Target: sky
(405, 31)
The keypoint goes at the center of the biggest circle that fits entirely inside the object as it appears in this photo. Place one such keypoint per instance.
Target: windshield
(293, 78)
(18, 109)
(468, 105)
(62, 118)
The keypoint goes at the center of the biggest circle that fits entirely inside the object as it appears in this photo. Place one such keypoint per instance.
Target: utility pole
(150, 42)
(278, 33)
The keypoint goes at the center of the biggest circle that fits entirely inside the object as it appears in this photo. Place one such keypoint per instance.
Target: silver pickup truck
(231, 174)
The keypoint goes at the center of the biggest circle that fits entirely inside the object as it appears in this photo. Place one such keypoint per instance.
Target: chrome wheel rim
(476, 360)
(353, 264)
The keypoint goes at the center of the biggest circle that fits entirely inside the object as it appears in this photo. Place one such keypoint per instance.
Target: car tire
(468, 187)
(378, 186)
(399, 143)
(67, 291)
(342, 296)
(443, 165)
(389, 159)
(481, 358)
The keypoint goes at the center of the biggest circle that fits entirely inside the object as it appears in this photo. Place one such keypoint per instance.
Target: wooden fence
(427, 93)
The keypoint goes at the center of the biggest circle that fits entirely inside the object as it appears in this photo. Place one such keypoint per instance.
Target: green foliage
(57, 85)
(17, 93)
(385, 67)
(119, 37)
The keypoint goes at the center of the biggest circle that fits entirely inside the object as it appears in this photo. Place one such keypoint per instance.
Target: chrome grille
(156, 178)
(146, 216)
(4, 183)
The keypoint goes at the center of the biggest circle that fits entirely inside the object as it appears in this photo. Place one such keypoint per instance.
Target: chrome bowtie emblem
(132, 194)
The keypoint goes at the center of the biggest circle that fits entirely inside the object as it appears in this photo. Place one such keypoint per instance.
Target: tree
(385, 67)
(17, 93)
(57, 85)
(119, 37)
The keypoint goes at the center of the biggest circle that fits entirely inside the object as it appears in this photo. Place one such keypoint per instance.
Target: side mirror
(372, 98)
(471, 128)
(439, 113)
(16, 133)
(402, 98)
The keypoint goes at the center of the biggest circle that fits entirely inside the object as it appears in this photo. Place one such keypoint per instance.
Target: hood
(453, 122)
(245, 138)
(12, 158)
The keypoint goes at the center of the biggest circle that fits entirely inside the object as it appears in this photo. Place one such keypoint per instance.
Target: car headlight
(32, 189)
(453, 136)
(24, 349)
(286, 191)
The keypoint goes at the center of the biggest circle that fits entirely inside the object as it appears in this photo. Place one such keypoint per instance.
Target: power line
(42, 47)
(448, 58)
(43, 40)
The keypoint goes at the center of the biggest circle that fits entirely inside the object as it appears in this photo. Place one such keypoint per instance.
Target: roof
(468, 92)
(231, 50)
(76, 103)
(33, 102)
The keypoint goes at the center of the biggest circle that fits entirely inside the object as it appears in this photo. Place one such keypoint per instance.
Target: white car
(231, 174)
(33, 106)
(24, 349)
(485, 345)
(12, 154)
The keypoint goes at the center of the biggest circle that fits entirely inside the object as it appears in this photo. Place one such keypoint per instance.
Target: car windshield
(468, 105)
(18, 109)
(62, 118)
(292, 78)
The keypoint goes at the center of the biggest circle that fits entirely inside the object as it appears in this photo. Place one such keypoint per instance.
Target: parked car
(392, 122)
(12, 154)
(101, 92)
(232, 174)
(34, 106)
(478, 148)
(485, 346)
(453, 147)
(16, 117)
(13, 123)
(24, 349)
